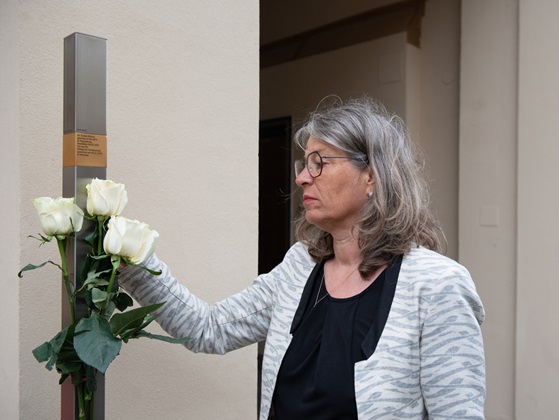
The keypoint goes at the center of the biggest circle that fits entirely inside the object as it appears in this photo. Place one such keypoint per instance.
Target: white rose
(130, 239)
(105, 197)
(59, 216)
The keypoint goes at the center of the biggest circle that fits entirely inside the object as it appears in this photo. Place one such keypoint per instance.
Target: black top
(316, 379)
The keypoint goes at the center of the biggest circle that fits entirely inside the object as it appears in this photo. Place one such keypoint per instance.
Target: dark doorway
(274, 218)
(274, 192)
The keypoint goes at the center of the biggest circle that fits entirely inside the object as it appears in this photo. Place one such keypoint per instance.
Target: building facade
(475, 81)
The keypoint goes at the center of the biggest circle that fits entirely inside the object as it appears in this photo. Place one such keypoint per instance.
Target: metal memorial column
(84, 158)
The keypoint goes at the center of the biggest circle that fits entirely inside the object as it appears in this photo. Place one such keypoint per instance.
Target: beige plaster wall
(508, 196)
(537, 319)
(433, 112)
(488, 184)
(9, 209)
(375, 68)
(182, 129)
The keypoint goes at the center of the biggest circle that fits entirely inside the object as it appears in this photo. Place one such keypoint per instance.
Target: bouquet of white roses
(91, 343)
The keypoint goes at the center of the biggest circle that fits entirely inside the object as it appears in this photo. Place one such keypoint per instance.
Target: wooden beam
(404, 16)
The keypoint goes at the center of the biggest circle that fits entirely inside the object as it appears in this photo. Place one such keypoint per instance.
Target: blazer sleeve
(235, 322)
(452, 360)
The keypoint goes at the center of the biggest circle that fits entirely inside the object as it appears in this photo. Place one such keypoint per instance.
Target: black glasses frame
(316, 172)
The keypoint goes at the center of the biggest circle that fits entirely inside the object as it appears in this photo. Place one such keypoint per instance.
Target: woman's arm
(235, 322)
(452, 358)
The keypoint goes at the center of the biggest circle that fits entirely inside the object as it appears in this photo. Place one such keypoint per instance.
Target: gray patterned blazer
(429, 361)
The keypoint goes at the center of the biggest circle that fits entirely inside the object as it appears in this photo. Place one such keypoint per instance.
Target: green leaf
(96, 266)
(91, 381)
(88, 300)
(165, 338)
(68, 367)
(143, 267)
(29, 267)
(77, 377)
(91, 238)
(100, 257)
(98, 295)
(43, 352)
(68, 362)
(153, 272)
(95, 277)
(97, 283)
(43, 239)
(95, 343)
(147, 320)
(131, 333)
(128, 334)
(49, 351)
(63, 378)
(132, 319)
(123, 301)
(108, 310)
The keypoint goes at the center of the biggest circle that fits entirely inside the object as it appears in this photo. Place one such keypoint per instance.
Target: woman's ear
(369, 178)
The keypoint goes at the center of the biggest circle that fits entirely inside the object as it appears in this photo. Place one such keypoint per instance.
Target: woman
(362, 319)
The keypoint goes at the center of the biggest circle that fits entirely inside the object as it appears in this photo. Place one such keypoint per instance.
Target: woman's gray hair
(398, 214)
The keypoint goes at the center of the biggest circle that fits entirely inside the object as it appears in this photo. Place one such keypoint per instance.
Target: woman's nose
(304, 177)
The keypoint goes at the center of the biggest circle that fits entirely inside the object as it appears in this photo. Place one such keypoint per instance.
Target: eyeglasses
(314, 163)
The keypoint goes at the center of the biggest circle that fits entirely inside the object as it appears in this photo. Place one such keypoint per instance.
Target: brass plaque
(83, 149)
